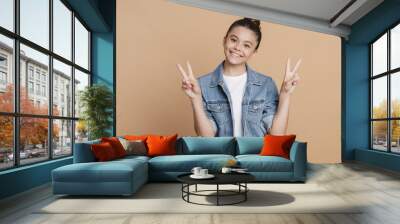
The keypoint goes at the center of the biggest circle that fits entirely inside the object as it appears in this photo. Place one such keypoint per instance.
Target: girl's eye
(247, 46)
(233, 40)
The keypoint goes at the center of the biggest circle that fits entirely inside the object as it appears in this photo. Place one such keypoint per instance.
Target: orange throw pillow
(103, 152)
(161, 145)
(116, 145)
(277, 145)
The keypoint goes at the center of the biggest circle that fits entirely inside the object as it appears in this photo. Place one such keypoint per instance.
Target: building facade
(34, 81)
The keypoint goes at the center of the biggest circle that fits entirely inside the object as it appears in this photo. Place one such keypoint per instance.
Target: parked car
(10, 156)
(57, 152)
(22, 155)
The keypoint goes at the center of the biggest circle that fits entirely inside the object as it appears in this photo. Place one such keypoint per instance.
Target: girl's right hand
(190, 85)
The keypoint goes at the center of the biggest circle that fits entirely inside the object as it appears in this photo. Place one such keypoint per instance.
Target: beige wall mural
(153, 36)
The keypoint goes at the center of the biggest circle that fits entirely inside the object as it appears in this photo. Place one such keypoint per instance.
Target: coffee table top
(220, 178)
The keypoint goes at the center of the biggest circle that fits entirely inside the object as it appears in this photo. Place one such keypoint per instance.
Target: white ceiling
(321, 9)
(324, 16)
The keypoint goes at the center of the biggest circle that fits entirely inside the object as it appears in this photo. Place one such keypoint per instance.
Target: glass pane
(81, 81)
(62, 138)
(34, 81)
(6, 74)
(35, 21)
(395, 94)
(379, 135)
(395, 47)
(81, 131)
(62, 29)
(7, 14)
(395, 136)
(6, 142)
(62, 89)
(33, 139)
(379, 100)
(379, 55)
(81, 45)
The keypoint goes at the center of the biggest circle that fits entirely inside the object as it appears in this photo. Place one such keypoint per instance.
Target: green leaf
(96, 102)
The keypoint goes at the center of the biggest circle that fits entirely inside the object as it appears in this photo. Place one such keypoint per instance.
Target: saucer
(208, 176)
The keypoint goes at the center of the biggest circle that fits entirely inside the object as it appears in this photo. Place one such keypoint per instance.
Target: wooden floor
(354, 182)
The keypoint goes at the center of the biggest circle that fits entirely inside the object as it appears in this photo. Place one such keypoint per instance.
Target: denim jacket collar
(217, 78)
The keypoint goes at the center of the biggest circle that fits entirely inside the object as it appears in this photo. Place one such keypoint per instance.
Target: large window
(385, 91)
(44, 64)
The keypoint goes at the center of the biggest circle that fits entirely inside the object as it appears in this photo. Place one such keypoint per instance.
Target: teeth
(234, 54)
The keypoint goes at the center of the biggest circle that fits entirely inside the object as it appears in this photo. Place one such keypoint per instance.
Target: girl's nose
(237, 46)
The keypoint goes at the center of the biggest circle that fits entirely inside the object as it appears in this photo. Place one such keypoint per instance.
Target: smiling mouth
(235, 54)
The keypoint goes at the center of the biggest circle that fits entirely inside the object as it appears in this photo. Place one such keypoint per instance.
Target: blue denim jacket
(259, 103)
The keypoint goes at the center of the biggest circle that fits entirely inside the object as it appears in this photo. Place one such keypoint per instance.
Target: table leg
(188, 189)
(217, 194)
(245, 191)
(182, 188)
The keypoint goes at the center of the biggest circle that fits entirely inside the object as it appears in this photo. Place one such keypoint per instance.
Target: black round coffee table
(238, 179)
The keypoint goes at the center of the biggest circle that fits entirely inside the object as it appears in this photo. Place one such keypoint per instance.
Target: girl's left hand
(291, 78)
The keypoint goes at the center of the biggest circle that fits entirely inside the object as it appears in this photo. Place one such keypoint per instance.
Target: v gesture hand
(190, 84)
(291, 78)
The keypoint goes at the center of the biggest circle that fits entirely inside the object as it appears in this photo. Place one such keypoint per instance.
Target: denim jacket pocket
(255, 110)
(220, 112)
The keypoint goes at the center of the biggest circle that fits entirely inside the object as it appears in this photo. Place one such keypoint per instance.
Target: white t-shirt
(236, 86)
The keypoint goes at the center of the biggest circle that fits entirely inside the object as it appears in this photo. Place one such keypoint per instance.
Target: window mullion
(50, 81)
(389, 106)
(73, 82)
(16, 84)
(370, 98)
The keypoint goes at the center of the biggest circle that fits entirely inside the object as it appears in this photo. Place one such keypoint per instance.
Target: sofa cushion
(277, 145)
(133, 158)
(134, 147)
(208, 145)
(257, 163)
(161, 145)
(185, 163)
(111, 171)
(116, 145)
(103, 151)
(249, 145)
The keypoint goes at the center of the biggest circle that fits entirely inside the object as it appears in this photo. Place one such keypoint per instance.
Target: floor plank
(377, 190)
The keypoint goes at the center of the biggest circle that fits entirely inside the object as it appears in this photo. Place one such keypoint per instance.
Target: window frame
(388, 74)
(16, 114)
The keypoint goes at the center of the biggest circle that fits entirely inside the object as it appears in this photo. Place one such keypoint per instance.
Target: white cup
(203, 172)
(226, 170)
(196, 170)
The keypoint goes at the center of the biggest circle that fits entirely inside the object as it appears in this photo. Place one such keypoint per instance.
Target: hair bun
(255, 21)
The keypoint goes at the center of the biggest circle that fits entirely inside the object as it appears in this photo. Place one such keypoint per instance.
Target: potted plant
(96, 102)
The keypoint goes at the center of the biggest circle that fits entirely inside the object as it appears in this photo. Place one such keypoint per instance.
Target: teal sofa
(125, 176)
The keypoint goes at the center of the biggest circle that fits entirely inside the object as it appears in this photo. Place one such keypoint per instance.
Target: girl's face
(239, 45)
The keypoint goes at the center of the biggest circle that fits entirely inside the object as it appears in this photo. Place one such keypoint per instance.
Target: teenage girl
(235, 100)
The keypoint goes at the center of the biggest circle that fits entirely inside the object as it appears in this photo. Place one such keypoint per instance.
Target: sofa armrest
(298, 155)
(83, 152)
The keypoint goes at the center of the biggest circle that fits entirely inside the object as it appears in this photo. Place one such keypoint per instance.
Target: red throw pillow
(116, 145)
(277, 145)
(161, 145)
(103, 151)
